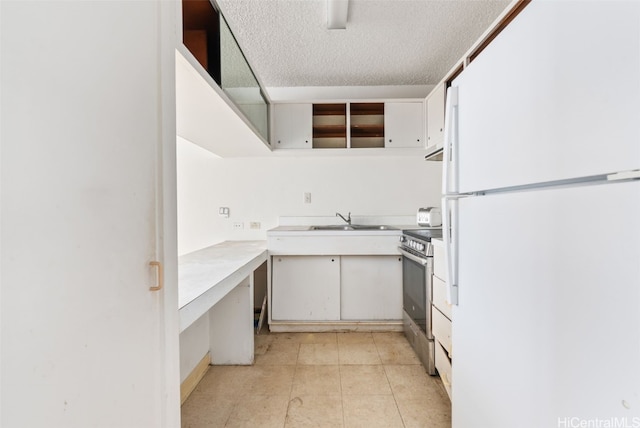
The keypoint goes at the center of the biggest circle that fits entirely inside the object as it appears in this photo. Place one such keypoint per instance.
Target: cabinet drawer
(439, 262)
(443, 365)
(441, 329)
(440, 296)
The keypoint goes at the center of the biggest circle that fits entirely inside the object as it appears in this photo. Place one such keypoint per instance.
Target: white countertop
(207, 275)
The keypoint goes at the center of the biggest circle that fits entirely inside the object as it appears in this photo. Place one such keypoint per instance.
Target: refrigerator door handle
(450, 193)
(450, 238)
(449, 159)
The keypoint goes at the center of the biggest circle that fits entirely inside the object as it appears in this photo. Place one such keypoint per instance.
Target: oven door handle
(413, 257)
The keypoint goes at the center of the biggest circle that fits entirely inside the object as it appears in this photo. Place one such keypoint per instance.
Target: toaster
(429, 217)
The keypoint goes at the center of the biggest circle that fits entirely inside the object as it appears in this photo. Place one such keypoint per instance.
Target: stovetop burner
(424, 234)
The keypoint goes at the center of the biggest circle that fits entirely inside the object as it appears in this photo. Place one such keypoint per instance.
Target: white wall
(260, 189)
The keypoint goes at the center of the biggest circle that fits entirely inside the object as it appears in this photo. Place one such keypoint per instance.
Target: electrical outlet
(223, 212)
(254, 225)
(307, 197)
(238, 226)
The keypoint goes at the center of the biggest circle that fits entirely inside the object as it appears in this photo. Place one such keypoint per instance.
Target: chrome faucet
(348, 219)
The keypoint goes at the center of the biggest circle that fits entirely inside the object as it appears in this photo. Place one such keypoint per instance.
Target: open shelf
(367, 125)
(329, 126)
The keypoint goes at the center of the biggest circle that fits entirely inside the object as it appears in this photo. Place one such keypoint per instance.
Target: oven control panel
(414, 244)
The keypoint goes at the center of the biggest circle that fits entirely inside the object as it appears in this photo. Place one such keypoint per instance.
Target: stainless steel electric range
(417, 289)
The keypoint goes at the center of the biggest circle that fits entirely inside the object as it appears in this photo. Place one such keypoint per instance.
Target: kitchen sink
(332, 227)
(353, 227)
(373, 227)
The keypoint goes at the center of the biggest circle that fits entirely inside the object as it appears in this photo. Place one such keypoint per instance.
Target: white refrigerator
(542, 221)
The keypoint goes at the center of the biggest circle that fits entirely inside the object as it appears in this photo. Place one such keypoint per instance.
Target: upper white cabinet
(404, 124)
(292, 126)
(349, 125)
(435, 116)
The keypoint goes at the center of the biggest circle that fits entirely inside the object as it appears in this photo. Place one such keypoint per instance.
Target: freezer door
(548, 322)
(555, 96)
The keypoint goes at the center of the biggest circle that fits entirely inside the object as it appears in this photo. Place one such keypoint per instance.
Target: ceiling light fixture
(337, 14)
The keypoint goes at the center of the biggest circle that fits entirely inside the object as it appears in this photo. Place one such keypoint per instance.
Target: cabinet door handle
(159, 276)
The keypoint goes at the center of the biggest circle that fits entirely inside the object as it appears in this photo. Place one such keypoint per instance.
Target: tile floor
(321, 380)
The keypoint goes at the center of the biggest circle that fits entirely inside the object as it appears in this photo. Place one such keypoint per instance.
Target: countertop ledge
(305, 231)
(205, 276)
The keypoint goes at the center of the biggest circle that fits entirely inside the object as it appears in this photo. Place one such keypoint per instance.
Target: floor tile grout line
(293, 379)
(344, 421)
(395, 400)
(393, 393)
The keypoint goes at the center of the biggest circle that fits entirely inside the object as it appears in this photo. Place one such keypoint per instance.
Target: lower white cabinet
(441, 327)
(336, 288)
(440, 297)
(305, 288)
(443, 365)
(371, 287)
(441, 316)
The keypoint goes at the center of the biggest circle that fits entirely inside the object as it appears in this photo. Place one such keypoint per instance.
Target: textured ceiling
(387, 42)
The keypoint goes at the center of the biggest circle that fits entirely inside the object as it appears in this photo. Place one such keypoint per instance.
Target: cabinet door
(443, 364)
(306, 288)
(435, 117)
(292, 126)
(371, 288)
(404, 124)
(439, 260)
(441, 327)
(75, 282)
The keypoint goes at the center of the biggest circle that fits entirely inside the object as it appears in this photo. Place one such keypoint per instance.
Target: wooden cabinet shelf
(367, 109)
(329, 109)
(329, 131)
(367, 131)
